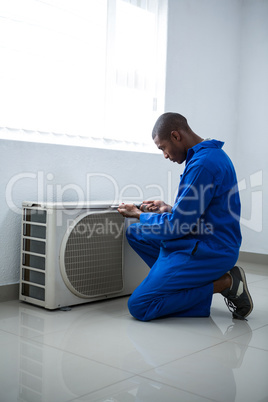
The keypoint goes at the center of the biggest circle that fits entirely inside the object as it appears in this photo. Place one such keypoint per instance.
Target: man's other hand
(129, 210)
(156, 206)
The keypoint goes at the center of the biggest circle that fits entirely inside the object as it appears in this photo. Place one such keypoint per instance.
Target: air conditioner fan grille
(93, 255)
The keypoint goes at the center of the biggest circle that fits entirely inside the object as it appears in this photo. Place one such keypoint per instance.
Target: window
(85, 72)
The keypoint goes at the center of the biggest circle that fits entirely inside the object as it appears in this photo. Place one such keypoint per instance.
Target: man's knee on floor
(137, 309)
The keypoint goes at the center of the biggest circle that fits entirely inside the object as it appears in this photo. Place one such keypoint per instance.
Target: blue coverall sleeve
(196, 191)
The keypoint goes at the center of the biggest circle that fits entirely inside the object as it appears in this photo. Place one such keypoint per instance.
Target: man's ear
(175, 136)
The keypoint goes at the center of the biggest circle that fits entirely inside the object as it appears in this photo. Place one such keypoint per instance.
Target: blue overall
(193, 245)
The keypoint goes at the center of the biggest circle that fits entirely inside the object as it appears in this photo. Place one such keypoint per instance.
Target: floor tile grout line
(80, 356)
(143, 373)
(229, 340)
(103, 388)
(248, 332)
(177, 388)
(127, 370)
(9, 332)
(250, 346)
(215, 337)
(183, 357)
(147, 378)
(33, 338)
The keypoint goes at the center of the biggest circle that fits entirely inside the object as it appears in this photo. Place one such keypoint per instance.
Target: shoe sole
(243, 275)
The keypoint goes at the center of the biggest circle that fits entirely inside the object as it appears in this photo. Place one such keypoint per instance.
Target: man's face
(172, 148)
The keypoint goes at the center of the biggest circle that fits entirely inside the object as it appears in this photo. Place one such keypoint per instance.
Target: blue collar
(204, 144)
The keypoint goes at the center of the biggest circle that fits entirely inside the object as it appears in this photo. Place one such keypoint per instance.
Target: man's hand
(129, 211)
(156, 206)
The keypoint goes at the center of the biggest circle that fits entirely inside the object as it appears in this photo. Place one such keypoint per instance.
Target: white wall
(217, 64)
(32, 171)
(252, 138)
(202, 65)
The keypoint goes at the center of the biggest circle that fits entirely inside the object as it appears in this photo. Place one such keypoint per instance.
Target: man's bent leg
(147, 250)
(174, 286)
(185, 303)
(180, 284)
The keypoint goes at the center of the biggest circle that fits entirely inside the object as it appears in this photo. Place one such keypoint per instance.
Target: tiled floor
(97, 352)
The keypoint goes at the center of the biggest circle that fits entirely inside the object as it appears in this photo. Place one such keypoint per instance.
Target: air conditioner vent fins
(93, 255)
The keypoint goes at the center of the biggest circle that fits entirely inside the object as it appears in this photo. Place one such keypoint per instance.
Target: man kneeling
(192, 247)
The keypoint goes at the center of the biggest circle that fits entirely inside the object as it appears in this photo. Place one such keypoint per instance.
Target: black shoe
(237, 297)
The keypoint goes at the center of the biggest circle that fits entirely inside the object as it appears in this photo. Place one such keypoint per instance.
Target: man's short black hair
(167, 123)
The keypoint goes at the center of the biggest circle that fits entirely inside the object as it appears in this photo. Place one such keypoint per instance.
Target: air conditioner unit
(76, 253)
